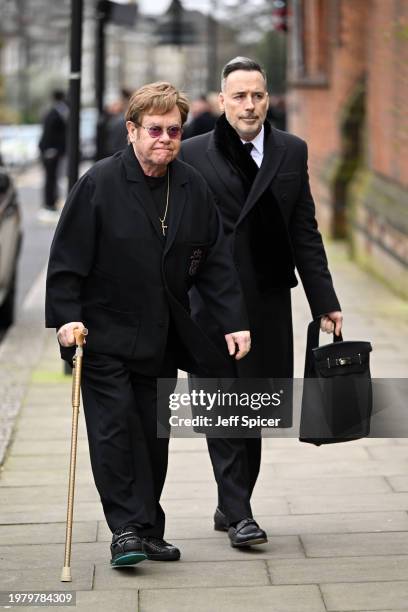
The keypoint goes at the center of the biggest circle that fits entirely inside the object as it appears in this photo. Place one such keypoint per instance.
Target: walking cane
(76, 386)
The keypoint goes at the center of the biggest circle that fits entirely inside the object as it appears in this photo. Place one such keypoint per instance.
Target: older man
(139, 229)
(258, 176)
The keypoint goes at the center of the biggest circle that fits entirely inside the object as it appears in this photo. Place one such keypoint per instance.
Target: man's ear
(130, 126)
(221, 101)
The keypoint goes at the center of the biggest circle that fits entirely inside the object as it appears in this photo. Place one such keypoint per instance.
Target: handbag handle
(313, 334)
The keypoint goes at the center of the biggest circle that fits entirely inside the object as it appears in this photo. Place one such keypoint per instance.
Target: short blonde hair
(160, 98)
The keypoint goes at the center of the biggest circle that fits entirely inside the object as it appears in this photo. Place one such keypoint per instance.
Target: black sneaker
(126, 547)
(246, 533)
(157, 549)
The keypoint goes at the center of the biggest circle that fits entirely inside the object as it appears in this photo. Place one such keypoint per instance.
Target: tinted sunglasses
(155, 131)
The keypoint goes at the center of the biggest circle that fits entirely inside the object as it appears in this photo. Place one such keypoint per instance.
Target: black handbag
(337, 390)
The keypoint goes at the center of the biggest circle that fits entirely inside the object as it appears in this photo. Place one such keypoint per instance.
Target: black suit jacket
(111, 269)
(271, 231)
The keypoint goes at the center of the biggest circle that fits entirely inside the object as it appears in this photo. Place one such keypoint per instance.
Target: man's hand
(65, 333)
(332, 322)
(243, 339)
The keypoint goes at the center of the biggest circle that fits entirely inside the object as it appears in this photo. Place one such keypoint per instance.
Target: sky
(159, 6)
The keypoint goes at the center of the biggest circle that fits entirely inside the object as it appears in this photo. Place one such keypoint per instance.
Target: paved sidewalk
(337, 517)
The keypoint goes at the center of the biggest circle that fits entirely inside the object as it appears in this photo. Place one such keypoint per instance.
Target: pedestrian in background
(52, 147)
(202, 118)
(258, 176)
(115, 132)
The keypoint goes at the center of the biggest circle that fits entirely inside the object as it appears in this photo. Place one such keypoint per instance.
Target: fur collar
(230, 146)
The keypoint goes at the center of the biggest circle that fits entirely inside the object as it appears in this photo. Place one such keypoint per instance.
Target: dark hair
(58, 95)
(240, 63)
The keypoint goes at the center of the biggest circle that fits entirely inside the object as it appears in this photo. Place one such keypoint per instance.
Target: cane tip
(66, 574)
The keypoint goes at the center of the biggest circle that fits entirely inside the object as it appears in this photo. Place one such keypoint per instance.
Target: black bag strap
(313, 333)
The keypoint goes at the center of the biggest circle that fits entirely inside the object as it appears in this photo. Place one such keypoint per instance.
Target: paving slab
(103, 601)
(365, 596)
(38, 433)
(46, 423)
(151, 574)
(339, 569)
(333, 485)
(46, 533)
(42, 477)
(369, 467)
(14, 496)
(398, 483)
(22, 447)
(47, 579)
(237, 599)
(47, 461)
(308, 453)
(348, 503)
(51, 513)
(356, 544)
(51, 555)
(380, 452)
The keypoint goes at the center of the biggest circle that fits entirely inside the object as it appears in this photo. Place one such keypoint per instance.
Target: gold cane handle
(79, 335)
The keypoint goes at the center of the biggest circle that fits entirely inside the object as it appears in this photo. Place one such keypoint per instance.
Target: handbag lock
(341, 361)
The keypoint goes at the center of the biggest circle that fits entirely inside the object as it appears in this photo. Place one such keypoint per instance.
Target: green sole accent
(128, 559)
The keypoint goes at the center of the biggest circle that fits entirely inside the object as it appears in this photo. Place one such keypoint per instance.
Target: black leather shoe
(246, 533)
(220, 521)
(126, 547)
(157, 549)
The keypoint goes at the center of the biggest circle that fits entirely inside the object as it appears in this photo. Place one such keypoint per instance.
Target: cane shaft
(76, 387)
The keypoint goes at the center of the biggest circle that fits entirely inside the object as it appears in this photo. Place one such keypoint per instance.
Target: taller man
(138, 230)
(259, 178)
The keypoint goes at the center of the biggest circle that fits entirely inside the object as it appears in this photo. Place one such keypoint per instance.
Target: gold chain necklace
(163, 226)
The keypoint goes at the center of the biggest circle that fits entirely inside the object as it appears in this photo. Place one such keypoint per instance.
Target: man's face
(244, 100)
(155, 152)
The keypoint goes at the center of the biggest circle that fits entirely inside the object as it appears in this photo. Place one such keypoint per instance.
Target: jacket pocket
(288, 176)
(111, 332)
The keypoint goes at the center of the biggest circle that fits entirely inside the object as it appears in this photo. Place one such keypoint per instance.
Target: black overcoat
(271, 231)
(110, 268)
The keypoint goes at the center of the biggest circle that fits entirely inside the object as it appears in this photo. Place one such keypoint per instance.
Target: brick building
(348, 93)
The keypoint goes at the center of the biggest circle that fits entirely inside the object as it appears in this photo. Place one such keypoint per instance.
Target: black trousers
(129, 461)
(236, 463)
(51, 166)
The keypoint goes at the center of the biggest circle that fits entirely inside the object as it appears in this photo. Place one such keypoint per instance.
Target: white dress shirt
(258, 148)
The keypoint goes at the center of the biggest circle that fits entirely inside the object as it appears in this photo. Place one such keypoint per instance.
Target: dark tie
(248, 146)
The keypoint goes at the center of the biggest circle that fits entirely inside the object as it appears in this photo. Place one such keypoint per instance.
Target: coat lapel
(177, 200)
(274, 150)
(139, 188)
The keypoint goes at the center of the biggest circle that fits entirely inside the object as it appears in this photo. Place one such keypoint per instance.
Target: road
(37, 236)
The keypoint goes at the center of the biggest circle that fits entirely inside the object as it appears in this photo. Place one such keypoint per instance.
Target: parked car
(10, 246)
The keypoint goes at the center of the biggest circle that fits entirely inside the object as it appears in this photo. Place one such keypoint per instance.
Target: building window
(309, 42)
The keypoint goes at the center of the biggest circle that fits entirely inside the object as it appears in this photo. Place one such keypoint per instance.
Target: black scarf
(229, 144)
